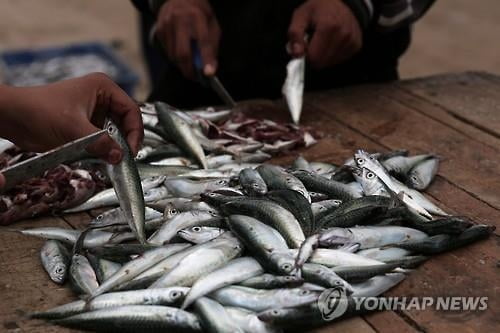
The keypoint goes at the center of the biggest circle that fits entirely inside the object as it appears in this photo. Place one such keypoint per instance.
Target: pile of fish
(225, 141)
(224, 243)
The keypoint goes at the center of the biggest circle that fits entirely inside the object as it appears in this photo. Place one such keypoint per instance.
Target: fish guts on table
(214, 240)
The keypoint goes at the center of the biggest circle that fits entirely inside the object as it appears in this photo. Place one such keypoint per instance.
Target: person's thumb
(105, 147)
(2, 181)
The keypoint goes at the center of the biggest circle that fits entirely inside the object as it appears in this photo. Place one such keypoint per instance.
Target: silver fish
(264, 241)
(403, 164)
(214, 317)
(369, 236)
(93, 238)
(384, 254)
(269, 281)
(421, 176)
(377, 285)
(233, 272)
(164, 296)
(104, 269)
(82, 275)
(135, 318)
(321, 207)
(173, 161)
(135, 267)
(127, 184)
(115, 216)
(272, 214)
(55, 260)
(249, 321)
(180, 132)
(201, 262)
(199, 234)
(181, 221)
(333, 258)
(300, 163)
(293, 88)
(108, 197)
(180, 187)
(262, 299)
(252, 182)
(277, 178)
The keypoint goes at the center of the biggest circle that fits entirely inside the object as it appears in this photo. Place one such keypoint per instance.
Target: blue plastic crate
(125, 77)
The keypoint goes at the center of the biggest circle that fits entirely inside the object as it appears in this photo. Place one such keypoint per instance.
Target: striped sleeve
(391, 14)
(387, 15)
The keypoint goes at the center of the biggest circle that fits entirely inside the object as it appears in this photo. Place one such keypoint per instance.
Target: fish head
(414, 180)
(274, 315)
(58, 273)
(259, 188)
(177, 294)
(285, 263)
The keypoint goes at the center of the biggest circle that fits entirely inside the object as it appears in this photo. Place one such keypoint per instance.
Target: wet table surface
(456, 116)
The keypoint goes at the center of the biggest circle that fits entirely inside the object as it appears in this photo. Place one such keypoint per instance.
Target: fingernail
(114, 156)
(209, 70)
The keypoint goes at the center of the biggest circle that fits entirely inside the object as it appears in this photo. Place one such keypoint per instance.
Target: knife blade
(37, 165)
(213, 81)
(221, 91)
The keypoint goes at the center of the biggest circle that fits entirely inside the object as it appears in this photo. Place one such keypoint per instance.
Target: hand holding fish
(44, 117)
(336, 36)
(181, 21)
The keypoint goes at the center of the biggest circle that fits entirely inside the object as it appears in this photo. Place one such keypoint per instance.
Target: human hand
(336, 37)
(181, 21)
(2, 181)
(41, 118)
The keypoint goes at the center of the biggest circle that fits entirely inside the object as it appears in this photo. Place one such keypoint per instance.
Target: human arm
(338, 26)
(44, 117)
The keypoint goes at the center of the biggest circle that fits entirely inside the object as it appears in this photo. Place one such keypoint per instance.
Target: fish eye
(59, 270)
(288, 278)
(338, 283)
(414, 178)
(173, 211)
(175, 294)
(196, 229)
(338, 202)
(256, 185)
(304, 292)
(211, 194)
(221, 182)
(100, 217)
(111, 129)
(360, 161)
(275, 312)
(370, 175)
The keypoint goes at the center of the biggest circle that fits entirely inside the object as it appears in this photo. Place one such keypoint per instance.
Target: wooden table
(455, 116)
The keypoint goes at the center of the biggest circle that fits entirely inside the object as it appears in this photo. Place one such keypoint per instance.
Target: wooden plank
(350, 325)
(477, 264)
(389, 322)
(470, 165)
(442, 115)
(24, 285)
(471, 97)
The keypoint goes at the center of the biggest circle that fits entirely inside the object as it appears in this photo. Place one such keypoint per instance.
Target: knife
(37, 165)
(213, 81)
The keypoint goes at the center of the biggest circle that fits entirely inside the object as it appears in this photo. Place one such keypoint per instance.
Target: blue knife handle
(198, 63)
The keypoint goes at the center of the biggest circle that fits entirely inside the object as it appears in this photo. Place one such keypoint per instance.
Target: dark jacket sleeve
(388, 15)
